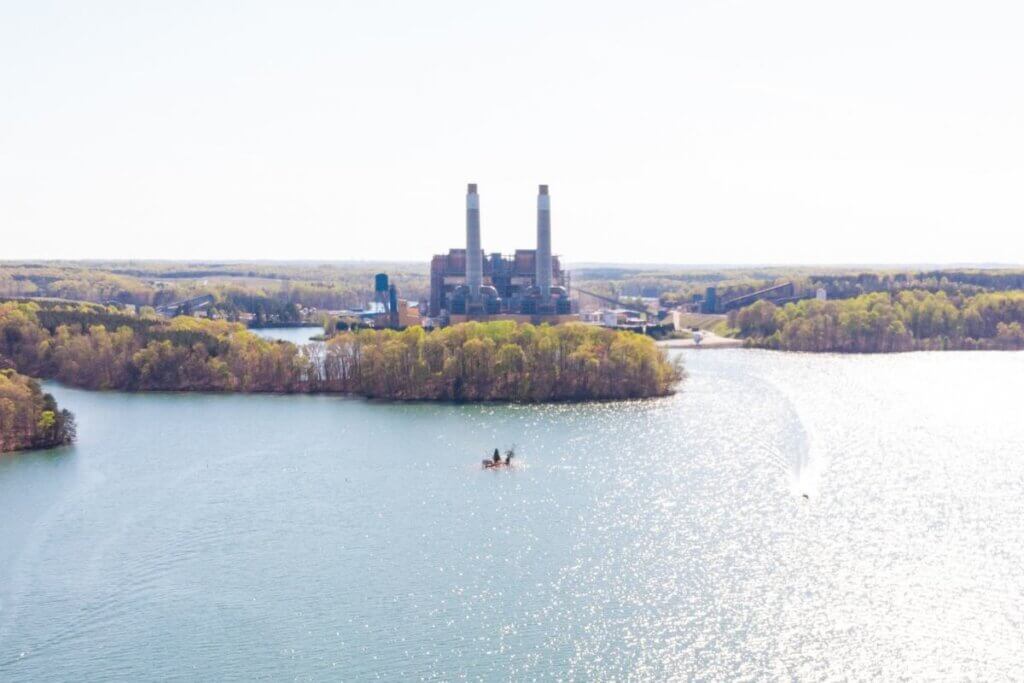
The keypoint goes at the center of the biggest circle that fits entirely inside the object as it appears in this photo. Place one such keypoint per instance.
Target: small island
(497, 361)
(96, 347)
(29, 418)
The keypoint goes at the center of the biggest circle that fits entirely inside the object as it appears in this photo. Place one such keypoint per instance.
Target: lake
(296, 335)
(206, 537)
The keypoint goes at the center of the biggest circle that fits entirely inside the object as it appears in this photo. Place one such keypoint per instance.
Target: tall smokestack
(474, 255)
(543, 259)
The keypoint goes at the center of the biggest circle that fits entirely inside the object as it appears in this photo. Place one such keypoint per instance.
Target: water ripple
(314, 538)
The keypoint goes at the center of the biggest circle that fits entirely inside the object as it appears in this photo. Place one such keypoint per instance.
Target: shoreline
(329, 393)
(710, 341)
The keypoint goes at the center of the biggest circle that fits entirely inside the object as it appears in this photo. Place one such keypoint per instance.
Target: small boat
(496, 461)
(488, 464)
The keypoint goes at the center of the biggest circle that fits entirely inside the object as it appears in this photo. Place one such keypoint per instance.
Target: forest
(679, 285)
(495, 361)
(882, 322)
(28, 417)
(97, 347)
(272, 291)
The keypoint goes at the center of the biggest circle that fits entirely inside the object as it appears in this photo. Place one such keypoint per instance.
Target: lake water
(205, 537)
(296, 335)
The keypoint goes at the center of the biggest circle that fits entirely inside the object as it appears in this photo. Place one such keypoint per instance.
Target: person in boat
(496, 461)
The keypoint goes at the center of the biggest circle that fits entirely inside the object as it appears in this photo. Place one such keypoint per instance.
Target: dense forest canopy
(497, 361)
(28, 417)
(906, 321)
(103, 348)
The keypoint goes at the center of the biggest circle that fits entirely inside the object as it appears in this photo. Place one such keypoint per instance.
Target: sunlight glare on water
(318, 538)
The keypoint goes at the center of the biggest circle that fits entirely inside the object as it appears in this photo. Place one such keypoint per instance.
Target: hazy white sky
(688, 132)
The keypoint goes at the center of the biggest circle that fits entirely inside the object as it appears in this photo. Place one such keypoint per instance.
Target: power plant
(528, 285)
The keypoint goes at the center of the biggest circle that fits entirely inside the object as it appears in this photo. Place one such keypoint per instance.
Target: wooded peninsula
(28, 417)
(913, 320)
(98, 347)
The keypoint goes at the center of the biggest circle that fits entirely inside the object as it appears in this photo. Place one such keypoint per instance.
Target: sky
(671, 132)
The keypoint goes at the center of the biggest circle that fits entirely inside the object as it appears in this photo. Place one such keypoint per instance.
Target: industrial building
(778, 294)
(386, 309)
(529, 285)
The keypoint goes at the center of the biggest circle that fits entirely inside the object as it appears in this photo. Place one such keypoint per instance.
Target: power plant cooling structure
(474, 254)
(544, 271)
(528, 284)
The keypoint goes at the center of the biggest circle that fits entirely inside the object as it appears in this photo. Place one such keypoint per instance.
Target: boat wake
(799, 459)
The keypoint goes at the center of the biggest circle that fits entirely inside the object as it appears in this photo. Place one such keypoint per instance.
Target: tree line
(885, 322)
(28, 417)
(494, 361)
(957, 282)
(676, 286)
(102, 348)
(272, 291)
